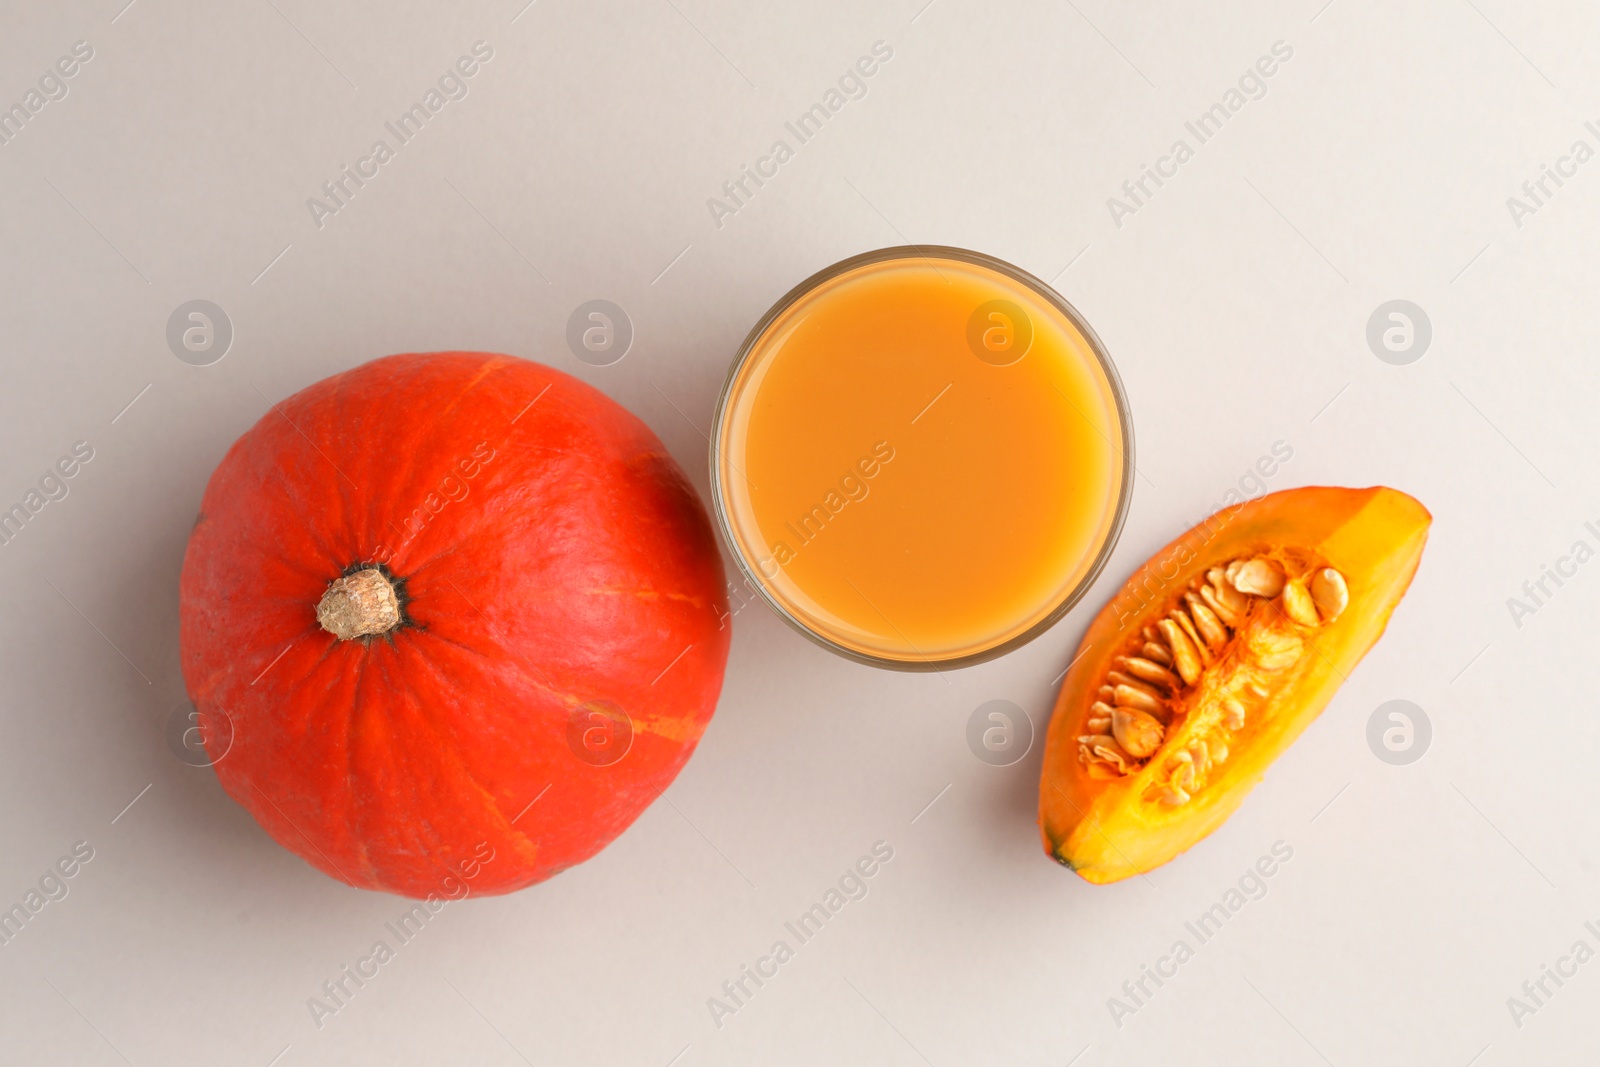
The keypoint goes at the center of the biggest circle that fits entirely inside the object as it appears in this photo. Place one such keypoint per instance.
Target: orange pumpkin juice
(921, 457)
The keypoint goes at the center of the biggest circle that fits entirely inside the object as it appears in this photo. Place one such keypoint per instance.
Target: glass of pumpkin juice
(922, 457)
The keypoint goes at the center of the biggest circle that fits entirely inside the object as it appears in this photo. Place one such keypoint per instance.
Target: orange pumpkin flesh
(1248, 704)
(463, 615)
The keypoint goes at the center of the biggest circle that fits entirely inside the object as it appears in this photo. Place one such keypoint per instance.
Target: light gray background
(1419, 898)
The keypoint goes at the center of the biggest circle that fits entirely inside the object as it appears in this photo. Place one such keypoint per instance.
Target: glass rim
(1045, 292)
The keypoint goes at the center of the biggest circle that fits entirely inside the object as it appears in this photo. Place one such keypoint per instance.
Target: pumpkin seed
(1259, 577)
(1230, 617)
(1129, 721)
(1231, 598)
(1329, 591)
(1139, 699)
(1115, 678)
(1200, 646)
(1148, 671)
(1206, 622)
(1184, 656)
(1107, 749)
(1298, 606)
(1156, 653)
(1136, 732)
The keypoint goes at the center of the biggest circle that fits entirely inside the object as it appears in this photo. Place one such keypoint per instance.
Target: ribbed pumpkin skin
(573, 564)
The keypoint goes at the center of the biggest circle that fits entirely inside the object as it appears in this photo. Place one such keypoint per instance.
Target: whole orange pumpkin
(450, 616)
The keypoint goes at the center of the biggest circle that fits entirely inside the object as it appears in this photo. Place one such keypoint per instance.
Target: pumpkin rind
(551, 559)
(1106, 829)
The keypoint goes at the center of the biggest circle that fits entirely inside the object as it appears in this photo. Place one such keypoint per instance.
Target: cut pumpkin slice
(1209, 662)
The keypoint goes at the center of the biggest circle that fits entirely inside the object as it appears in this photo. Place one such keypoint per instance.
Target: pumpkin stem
(359, 604)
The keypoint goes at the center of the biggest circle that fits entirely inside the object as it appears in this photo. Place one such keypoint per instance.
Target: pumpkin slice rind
(1108, 827)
